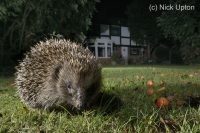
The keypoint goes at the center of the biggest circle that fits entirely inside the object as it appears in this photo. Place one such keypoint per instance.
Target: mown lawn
(137, 114)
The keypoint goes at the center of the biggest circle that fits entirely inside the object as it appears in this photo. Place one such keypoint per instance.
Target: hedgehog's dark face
(76, 89)
(73, 93)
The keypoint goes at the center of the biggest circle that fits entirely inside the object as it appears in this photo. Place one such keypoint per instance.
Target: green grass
(137, 114)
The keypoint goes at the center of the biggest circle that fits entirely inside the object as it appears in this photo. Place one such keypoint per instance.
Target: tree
(170, 28)
(143, 24)
(25, 22)
(183, 26)
(8, 11)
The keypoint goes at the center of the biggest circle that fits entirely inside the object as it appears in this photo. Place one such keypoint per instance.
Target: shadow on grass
(139, 109)
(136, 100)
(133, 107)
(129, 101)
(106, 104)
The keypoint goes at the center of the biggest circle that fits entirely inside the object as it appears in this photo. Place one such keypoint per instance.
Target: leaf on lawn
(191, 75)
(162, 74)
(194, 74)
(186, 83)
(167, 123)
(184, 76)
(162, 83)
(161, 89)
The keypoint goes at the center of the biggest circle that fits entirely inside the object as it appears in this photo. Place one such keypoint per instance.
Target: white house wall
(116, 39)
(125, 32)
(105, 37)
(125, 41)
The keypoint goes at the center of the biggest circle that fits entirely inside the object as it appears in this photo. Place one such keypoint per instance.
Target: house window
(134, 51)
(109, 51)
(115, 30)
(101, 51)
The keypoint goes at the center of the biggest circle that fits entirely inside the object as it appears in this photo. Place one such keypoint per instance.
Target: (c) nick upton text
(178, 7)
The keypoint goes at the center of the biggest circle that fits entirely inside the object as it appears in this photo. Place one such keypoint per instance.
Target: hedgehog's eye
(69, 88)
(68, 85)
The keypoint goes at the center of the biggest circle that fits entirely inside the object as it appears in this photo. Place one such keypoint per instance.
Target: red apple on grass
(150, 91)
(150, 83)
(162, 102)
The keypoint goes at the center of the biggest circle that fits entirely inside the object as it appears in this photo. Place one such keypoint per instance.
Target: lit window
(134, 51)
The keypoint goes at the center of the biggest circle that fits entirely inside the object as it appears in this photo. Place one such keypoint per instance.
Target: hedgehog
(57, 73)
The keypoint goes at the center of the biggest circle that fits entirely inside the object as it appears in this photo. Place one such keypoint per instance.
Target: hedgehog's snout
(80, 106)
(80, 99)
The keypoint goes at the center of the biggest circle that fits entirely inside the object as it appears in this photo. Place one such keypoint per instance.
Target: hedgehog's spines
(34, 76)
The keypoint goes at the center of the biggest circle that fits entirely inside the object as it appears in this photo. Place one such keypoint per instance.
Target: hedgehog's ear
(56, 72)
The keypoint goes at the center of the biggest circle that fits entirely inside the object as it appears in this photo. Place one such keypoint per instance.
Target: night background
(174, 34)
(149, 51)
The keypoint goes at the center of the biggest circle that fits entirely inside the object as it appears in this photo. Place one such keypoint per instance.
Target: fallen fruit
(150, 83)
(161, 102)
(150, 91)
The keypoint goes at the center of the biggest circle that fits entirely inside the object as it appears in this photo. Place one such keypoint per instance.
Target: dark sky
(108, 11)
